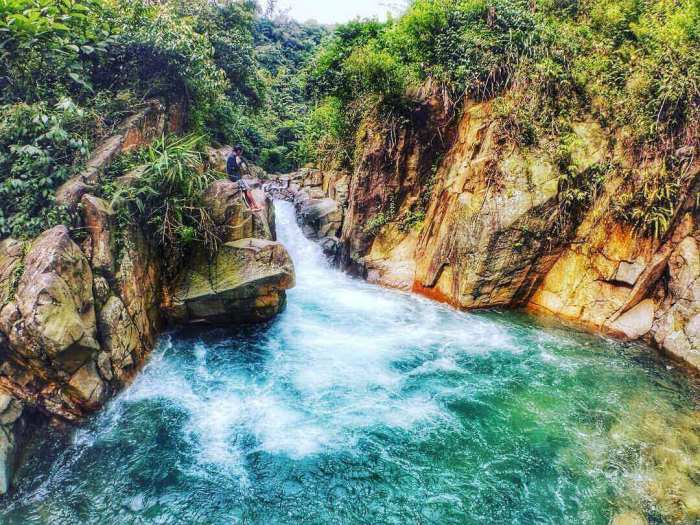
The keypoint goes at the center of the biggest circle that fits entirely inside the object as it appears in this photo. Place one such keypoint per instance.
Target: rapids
(364, 405)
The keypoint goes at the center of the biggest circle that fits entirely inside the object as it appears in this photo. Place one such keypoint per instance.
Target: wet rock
(330, 246)
(244, 282)
(300, 199)
(320, 218)
(391, 262)
(104, 365)
(12, 425)
(89, 385)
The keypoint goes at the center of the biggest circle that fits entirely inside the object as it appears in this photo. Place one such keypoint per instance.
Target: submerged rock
(629, 518)
(244, 282)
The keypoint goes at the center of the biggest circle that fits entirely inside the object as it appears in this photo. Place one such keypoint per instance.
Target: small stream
(360, 405)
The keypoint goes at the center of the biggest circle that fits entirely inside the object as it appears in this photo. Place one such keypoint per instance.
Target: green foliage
(283, 47)
(328, 134)
(639, 62)
(327, 76)
(376, 222)
(40, 147)
(578, 189)
(166, 195)
(470, 45)
(384, 217)
(467, 47)
(50, 49)
(372, 70)
(166, 55)
(633, 65)
(651, 204)
(413, 220)
(71, 70)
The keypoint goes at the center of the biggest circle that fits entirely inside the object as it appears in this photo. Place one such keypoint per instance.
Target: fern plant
(164, 195)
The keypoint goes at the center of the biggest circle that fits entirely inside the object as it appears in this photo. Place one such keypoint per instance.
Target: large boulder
(232, 217)
(495, 224)
(320, 218)
(245, 281)
(51, 315)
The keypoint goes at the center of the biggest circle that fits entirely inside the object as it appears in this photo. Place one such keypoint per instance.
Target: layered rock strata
(487, 224)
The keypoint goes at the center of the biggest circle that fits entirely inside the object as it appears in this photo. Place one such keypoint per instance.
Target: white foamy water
(357, 405)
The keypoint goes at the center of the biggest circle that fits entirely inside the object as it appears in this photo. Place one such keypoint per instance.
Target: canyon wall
(81, 307)
(488, 223)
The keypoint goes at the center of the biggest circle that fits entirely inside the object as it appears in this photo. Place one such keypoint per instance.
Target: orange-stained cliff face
(495, 231)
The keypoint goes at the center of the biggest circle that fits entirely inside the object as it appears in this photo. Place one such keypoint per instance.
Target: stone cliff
(489, 222)
(79, 315)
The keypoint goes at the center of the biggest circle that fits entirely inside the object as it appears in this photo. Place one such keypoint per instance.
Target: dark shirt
(234, 167)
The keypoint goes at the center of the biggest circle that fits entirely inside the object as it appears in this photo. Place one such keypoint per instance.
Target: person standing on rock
(235, 164)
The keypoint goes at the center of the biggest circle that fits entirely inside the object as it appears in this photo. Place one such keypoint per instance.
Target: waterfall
(364, 405)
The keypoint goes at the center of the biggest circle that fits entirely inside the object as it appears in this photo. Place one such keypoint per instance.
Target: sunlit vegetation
(72, 70)
(634, 66)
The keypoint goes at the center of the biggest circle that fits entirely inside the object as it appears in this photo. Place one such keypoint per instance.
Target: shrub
(327, 138)
(371, 70)
(50, 50)
(166, 196)
(41, 146)
(650, 205)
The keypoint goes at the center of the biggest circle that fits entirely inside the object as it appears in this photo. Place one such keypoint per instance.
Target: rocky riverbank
(80, 314)
(486, 224)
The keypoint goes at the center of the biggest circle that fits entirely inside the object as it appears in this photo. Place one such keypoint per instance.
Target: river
(365, 405)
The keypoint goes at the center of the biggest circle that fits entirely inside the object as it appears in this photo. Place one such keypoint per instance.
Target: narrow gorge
(493, 231)
(438, 267)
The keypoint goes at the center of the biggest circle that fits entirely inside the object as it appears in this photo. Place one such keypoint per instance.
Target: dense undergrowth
(72, 70)
(631, 65)
(160, 190)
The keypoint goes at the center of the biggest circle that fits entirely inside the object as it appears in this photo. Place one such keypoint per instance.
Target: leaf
(78, 79)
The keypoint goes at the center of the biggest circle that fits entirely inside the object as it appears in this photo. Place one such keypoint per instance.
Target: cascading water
(362, 405)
